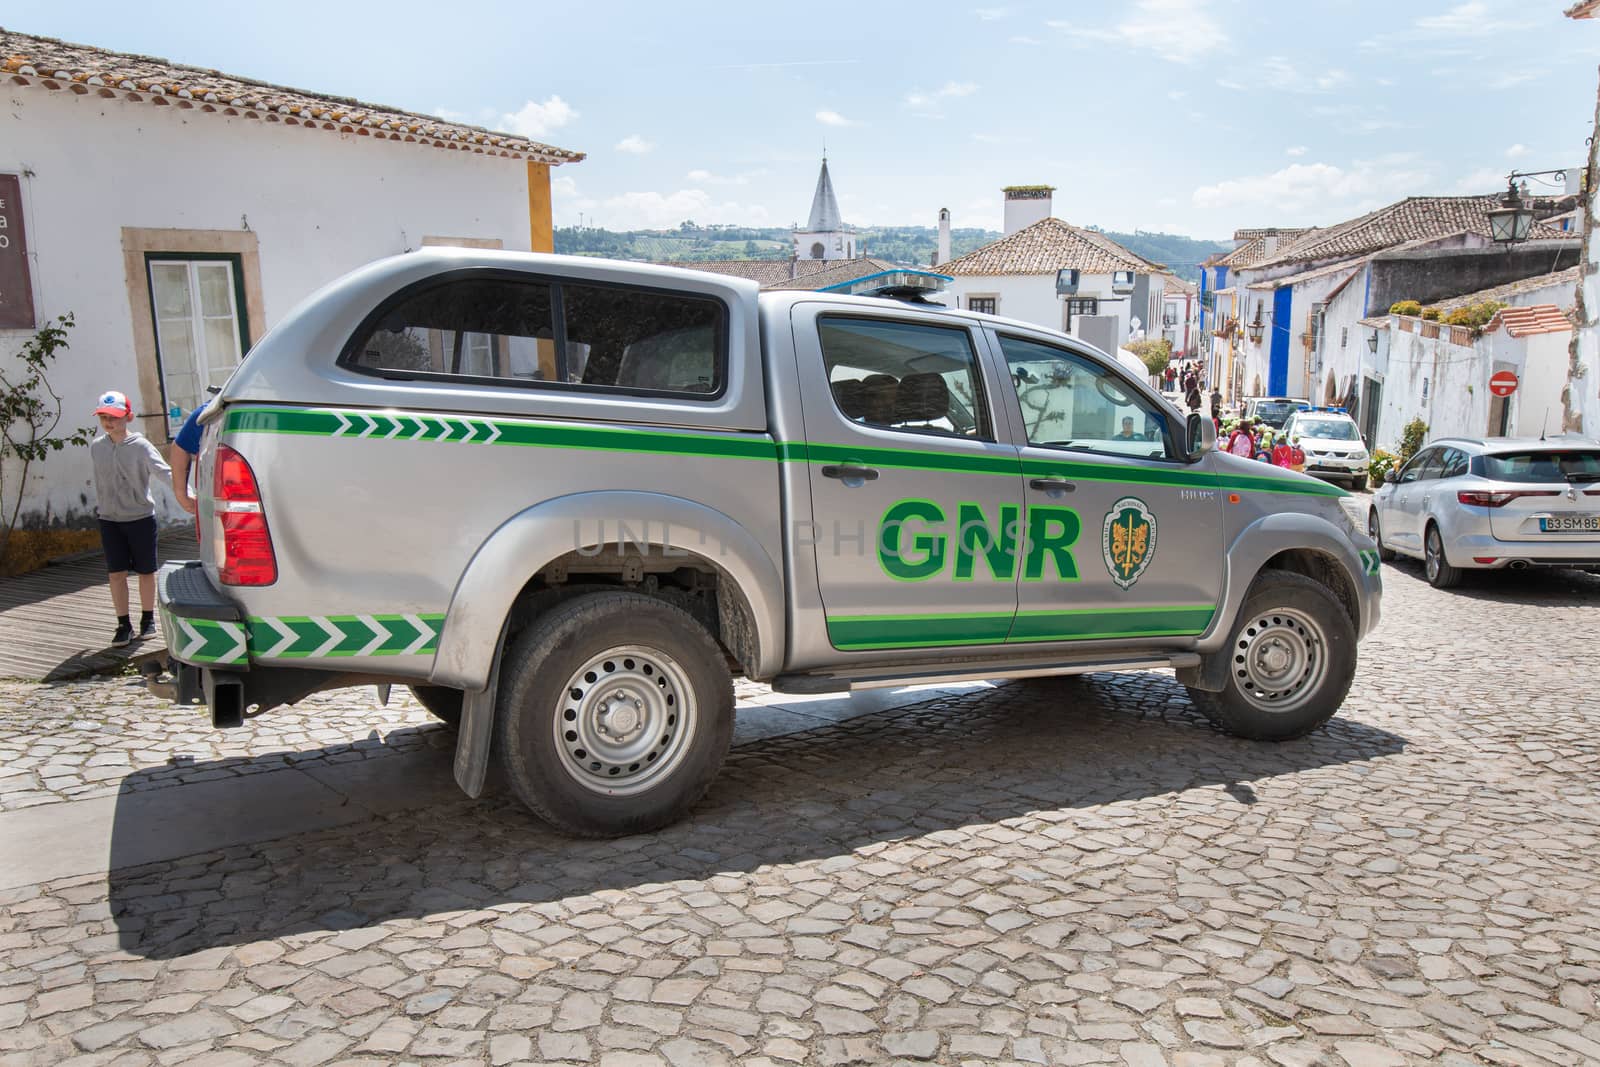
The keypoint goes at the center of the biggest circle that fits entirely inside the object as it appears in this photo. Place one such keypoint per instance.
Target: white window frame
(206, 362)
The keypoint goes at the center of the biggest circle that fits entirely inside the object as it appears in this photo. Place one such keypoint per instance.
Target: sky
(1194, 117)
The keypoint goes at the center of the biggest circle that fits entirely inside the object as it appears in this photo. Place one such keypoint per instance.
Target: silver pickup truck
(565, 500)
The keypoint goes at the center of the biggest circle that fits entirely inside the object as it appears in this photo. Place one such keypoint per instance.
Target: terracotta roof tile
(762, 271)
(1254, 249)
(1412, 219)
(838, 271)
(1045, 247)
(1525, 321)
(83, 69)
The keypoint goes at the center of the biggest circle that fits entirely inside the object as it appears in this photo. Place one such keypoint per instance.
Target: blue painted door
(1278, 365)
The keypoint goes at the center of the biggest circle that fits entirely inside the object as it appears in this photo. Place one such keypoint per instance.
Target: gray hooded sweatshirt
(122, 476)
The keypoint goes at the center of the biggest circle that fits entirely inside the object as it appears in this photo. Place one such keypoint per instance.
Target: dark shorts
(130, 546)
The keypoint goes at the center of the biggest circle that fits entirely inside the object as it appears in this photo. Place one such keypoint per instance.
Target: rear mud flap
(476, 732)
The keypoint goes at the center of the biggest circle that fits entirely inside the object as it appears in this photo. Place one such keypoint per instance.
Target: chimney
(944, 237)
(1026, 205)
(1269, 247)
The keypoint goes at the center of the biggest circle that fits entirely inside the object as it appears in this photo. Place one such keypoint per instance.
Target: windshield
(1327, 429)
(1274, 412)
(1577, 466)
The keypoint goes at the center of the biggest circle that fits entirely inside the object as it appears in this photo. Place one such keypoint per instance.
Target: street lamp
(1372, 342)
(1256, 327)
(1512, 221)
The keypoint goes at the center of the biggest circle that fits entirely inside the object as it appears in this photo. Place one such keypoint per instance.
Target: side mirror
(1202, 435)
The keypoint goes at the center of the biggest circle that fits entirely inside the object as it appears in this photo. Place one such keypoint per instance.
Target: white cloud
(1297, 150)
(1176, 94)
(925, 102)
(833, 118)
(536, 119)
(1516, 151)
(990, 14)
(651, 210)
(706, 177)
(1483, 181)
(1278, 74)
(1178, 30)
(636, 145)
(1511, 78)
(1465, 20)
(1317, 192)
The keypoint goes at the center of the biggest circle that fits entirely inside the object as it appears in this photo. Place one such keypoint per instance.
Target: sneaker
(123, 636)
(147, 629)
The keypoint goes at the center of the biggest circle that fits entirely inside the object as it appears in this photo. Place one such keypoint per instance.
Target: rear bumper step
(887, 677)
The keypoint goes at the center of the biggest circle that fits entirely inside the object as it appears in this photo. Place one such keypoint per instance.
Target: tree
(30, 411)
(1155, 352)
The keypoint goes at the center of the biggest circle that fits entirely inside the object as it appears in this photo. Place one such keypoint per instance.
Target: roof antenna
(1545, 422)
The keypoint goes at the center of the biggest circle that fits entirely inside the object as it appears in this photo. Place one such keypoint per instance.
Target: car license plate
(1564, 523)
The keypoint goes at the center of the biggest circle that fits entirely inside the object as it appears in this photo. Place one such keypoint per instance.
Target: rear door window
(507, 329)
(1577, 465)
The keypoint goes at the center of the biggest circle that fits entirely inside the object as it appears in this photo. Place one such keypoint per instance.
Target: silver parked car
(1491, 504)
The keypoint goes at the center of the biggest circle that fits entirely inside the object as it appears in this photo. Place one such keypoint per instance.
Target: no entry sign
(1503, 383)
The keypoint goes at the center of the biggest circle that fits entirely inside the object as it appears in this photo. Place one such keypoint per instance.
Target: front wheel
(1358, 484)
(1440, 574)
(1292, 656)
(614, 715)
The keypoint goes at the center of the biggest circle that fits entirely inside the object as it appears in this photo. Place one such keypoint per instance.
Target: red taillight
(1500, 499)
(1484, 559)
(247, 557)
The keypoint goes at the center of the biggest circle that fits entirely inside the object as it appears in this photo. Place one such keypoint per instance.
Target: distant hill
(902, 244)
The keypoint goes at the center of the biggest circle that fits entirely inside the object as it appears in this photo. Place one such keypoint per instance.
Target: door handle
(1052, 485)
(866, 474)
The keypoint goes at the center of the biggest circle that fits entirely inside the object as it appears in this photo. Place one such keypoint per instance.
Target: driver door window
(1069, 402)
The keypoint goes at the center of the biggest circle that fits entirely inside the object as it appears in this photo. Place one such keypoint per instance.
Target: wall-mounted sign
(16, 286)
(1503, 383)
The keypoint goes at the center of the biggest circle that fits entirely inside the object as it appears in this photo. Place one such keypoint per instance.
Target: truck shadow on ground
(967, 758)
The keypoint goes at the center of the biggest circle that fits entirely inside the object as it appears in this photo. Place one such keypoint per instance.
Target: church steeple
(824, 206)
(825, 236)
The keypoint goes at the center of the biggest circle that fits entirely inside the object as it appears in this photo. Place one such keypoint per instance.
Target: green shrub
(1476, 316)
(1405, 307)
(1431, 314)
(1155, 352)
(1382, 465)
(1411, 439)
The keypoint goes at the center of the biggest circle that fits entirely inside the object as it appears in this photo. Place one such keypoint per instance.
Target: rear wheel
(1440, 574)
(1375, 531)
(1292, 656)
(614, 715)
(442, 702)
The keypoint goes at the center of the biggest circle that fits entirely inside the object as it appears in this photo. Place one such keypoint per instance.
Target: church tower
(825, 236)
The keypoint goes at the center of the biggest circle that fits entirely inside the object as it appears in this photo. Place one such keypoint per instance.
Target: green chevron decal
(1370, 561)
(323, 636)
(212, 641)
(219, 643)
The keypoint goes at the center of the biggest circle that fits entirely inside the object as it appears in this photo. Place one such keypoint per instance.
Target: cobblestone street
(1053, 872)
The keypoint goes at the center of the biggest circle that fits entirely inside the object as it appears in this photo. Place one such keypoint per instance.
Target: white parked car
(1332, 443)
(1492, 503)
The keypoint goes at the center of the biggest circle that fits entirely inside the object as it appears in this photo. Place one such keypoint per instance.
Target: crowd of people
(1243, 438)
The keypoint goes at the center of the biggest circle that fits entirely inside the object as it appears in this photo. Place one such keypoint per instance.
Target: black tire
(1358, 484)
(1375, 531)
(614, 714)
(1284, 614)
(442, 702)
(1435, 565)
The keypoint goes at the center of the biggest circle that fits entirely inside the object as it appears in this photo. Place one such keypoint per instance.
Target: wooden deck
(56, 622)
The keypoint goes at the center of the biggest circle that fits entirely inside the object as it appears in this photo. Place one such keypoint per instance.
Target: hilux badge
(1128, 540)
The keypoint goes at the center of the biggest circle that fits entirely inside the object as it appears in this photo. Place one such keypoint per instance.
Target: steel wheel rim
(1430, 558)
(626, 720)
(1280, 659)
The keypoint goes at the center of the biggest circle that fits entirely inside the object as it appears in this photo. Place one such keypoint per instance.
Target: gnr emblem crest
(1128, 540)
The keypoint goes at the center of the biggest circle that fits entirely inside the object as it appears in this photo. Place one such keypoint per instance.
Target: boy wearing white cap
(124, 462)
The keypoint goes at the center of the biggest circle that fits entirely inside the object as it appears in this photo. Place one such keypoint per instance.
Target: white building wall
(1032, 298)
(1447, 385)
(320, 203)
(1585, 400)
